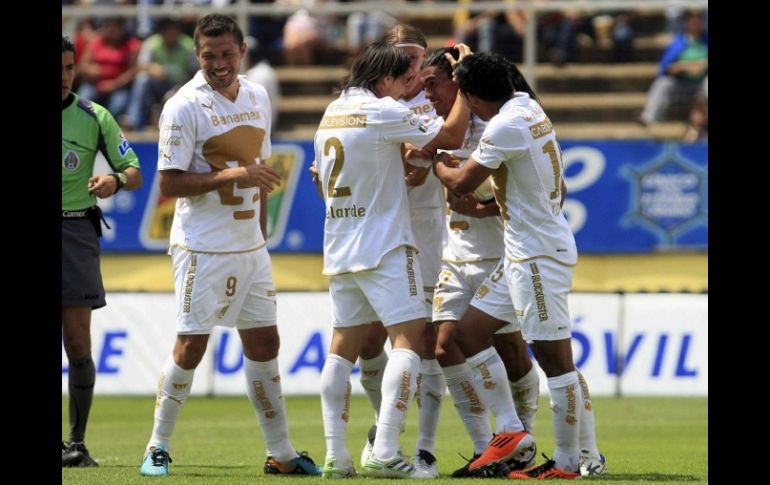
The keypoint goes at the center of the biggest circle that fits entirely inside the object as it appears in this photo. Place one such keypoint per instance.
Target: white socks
(372, 371)
(399, 383)
(430, 389)
(566, 400)
(335, 407)
(173, 388)
(466, 395)
(526, 393)
(587, 423)
(263, 384)
(492, 380)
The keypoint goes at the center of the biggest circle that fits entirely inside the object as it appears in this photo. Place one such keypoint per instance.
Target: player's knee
(189, 352)
(76, 346)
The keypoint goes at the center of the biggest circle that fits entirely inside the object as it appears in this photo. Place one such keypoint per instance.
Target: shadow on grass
(647, 477)
(181, 468)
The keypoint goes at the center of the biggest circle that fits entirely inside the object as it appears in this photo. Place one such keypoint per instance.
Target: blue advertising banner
(635, 196)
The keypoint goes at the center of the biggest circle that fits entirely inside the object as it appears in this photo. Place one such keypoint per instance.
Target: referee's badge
(71, 161)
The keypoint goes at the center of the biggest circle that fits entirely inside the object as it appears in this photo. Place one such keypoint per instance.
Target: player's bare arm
(469, 205)
(461, 180)
(313, 169)
(178, 183)
(417, 163)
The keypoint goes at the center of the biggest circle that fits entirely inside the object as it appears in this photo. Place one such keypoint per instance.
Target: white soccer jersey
(200, 131)
(358, 150)
(472, 239)
(519, 143)
(430, 194)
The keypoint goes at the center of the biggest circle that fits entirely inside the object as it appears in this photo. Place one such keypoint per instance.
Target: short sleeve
(500, 141)
(401, 125)
(176, 141)
(116, 149)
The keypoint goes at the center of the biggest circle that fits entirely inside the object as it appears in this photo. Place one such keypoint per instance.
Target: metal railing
(242, 10)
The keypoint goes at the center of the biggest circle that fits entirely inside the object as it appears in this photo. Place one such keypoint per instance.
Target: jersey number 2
(339, 160)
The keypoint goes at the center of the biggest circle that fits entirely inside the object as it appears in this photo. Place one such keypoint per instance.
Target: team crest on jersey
(253, 97)
(71, 161)
(669, 195)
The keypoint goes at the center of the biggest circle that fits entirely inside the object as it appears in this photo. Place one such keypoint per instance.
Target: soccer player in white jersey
(473, 247)
(519, 147)
(426, 210)
(369, 247)
(214, 140)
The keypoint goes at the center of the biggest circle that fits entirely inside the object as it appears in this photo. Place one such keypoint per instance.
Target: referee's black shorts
(81, 278)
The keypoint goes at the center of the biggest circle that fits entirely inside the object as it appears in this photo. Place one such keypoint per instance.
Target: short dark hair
(437, 59)
(67, 45)
(491, 77)
(215, 25)
(378, 60)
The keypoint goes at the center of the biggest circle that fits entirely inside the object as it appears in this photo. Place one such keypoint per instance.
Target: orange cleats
(546, 471)
(518, 447)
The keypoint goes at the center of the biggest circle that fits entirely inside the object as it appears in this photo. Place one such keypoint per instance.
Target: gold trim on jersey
(241, 215)
(541, 129)
(337, 107)
(539, 256)
(189, 284)
(234, 118)
(342, 121)
(219, 252)
(499, 184)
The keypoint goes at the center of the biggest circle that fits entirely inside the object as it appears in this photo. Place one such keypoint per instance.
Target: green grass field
(218, 441)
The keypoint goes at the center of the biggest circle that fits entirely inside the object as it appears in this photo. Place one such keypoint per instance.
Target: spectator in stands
(623, 37)
(84, 32)
(683, 71)
(365, 27)
(307, 35)
(268, 32)
(558, 31)
(166, 61)
(501, 32)
(87, 129)
(699, 116)
(109, 66)
(189, 21)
